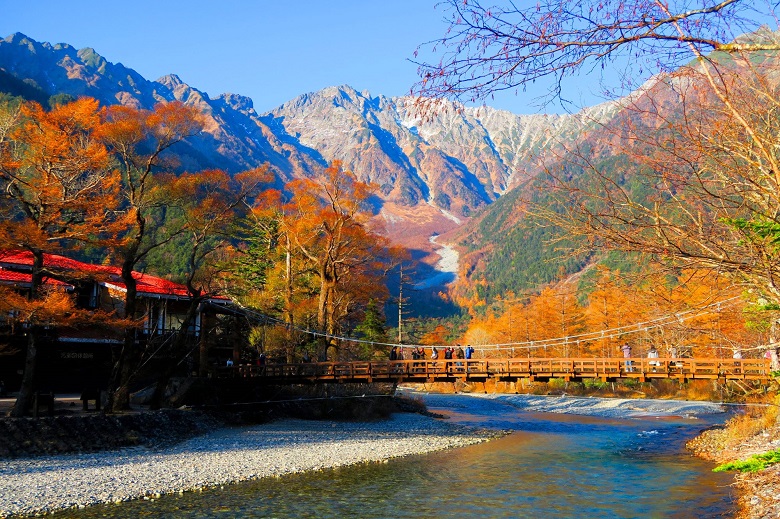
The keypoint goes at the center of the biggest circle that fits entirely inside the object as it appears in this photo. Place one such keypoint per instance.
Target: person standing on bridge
(627, 355)
(653, 354)
(737, 357)
(469, 353)
(673, 355)
(448, 358)
(460, 354)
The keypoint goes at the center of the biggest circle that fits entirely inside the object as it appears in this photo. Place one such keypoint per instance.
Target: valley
(432, 172)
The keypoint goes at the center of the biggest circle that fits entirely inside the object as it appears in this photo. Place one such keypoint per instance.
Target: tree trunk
(203, 353)
(27, 389)
(26, 393)
(323, 313)
(288, 303)
(119, 390)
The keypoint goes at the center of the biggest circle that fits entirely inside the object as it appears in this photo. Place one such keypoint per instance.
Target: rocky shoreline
(758, 492)
(37, 485)
(159, 454)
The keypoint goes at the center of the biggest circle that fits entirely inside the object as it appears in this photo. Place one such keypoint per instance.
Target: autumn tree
(326, 220)
(57, 187)
(695, 313)
(560, 316)
(435, 337)
(204, 207)
(699, 139)
(271, 276)
(139, 141)
(612, 304)
(492, 48)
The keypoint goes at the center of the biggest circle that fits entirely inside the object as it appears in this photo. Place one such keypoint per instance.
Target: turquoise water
(550, 466)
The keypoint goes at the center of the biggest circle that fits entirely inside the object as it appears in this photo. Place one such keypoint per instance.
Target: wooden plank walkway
(533, 369)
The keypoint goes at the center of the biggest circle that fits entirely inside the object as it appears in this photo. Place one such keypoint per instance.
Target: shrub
(595, 383)
(752, 464)
(556, 384)
(631, 383)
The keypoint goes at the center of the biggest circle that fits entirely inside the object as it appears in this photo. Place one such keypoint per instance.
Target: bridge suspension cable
(611, 333)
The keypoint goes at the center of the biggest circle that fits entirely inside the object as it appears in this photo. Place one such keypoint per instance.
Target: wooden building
(73, 358)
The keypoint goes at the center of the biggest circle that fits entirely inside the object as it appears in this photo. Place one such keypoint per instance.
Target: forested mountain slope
(433, 173)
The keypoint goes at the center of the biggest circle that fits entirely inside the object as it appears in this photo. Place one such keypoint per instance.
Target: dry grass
(754, 431)
(756, 419)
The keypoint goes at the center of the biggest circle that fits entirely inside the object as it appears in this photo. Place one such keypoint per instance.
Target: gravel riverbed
(34, 485)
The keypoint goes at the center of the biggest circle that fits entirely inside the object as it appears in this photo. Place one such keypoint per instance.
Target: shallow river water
(550, 466)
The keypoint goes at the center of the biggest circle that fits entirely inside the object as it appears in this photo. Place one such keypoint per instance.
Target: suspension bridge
(506, 370)
(515, 368)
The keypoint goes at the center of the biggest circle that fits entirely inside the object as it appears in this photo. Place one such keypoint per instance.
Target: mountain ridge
(434, 171)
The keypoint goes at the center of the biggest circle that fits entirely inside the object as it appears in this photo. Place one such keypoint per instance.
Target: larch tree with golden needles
(57, 184)
(140, 142)
(612, 305)
(327, 220)
(204, 206)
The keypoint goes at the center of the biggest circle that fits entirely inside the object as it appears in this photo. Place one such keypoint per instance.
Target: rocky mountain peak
(92, 59)
(238, 102)
(447, 165)
(18, 38)
(172, 81)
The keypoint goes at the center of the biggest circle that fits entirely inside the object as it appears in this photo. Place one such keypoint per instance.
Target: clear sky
(269, 50)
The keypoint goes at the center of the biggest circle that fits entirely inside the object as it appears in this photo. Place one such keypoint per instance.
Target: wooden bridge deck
(533, 369)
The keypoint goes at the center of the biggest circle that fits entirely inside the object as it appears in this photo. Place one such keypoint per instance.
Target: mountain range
(434, 170)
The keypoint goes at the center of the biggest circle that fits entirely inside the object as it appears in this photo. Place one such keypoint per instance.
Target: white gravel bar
(34, 485)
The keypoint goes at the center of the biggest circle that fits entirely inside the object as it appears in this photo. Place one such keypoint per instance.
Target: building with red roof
(86, 352)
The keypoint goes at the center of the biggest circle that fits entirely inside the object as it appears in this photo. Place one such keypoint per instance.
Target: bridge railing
(523, 367)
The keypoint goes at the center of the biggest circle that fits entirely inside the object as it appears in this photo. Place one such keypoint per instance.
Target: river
(446, 268)
(551, 465)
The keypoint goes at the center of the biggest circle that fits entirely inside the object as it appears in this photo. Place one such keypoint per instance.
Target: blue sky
(271, 51)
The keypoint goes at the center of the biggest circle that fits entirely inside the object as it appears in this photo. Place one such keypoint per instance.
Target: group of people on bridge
(418, 353)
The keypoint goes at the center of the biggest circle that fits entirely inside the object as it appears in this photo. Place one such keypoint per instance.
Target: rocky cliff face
(431, 172)
(458, 159)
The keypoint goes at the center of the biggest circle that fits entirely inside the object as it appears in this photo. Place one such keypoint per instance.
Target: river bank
(227, 455)
(758, 492)
(34, 485)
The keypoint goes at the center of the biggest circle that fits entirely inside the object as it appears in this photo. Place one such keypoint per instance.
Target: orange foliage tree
(204, 207)
(611, 305)
(139, 141)
(558, 314)
(324, 225)
(691, 314)
(57, 187)
(270, 276)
